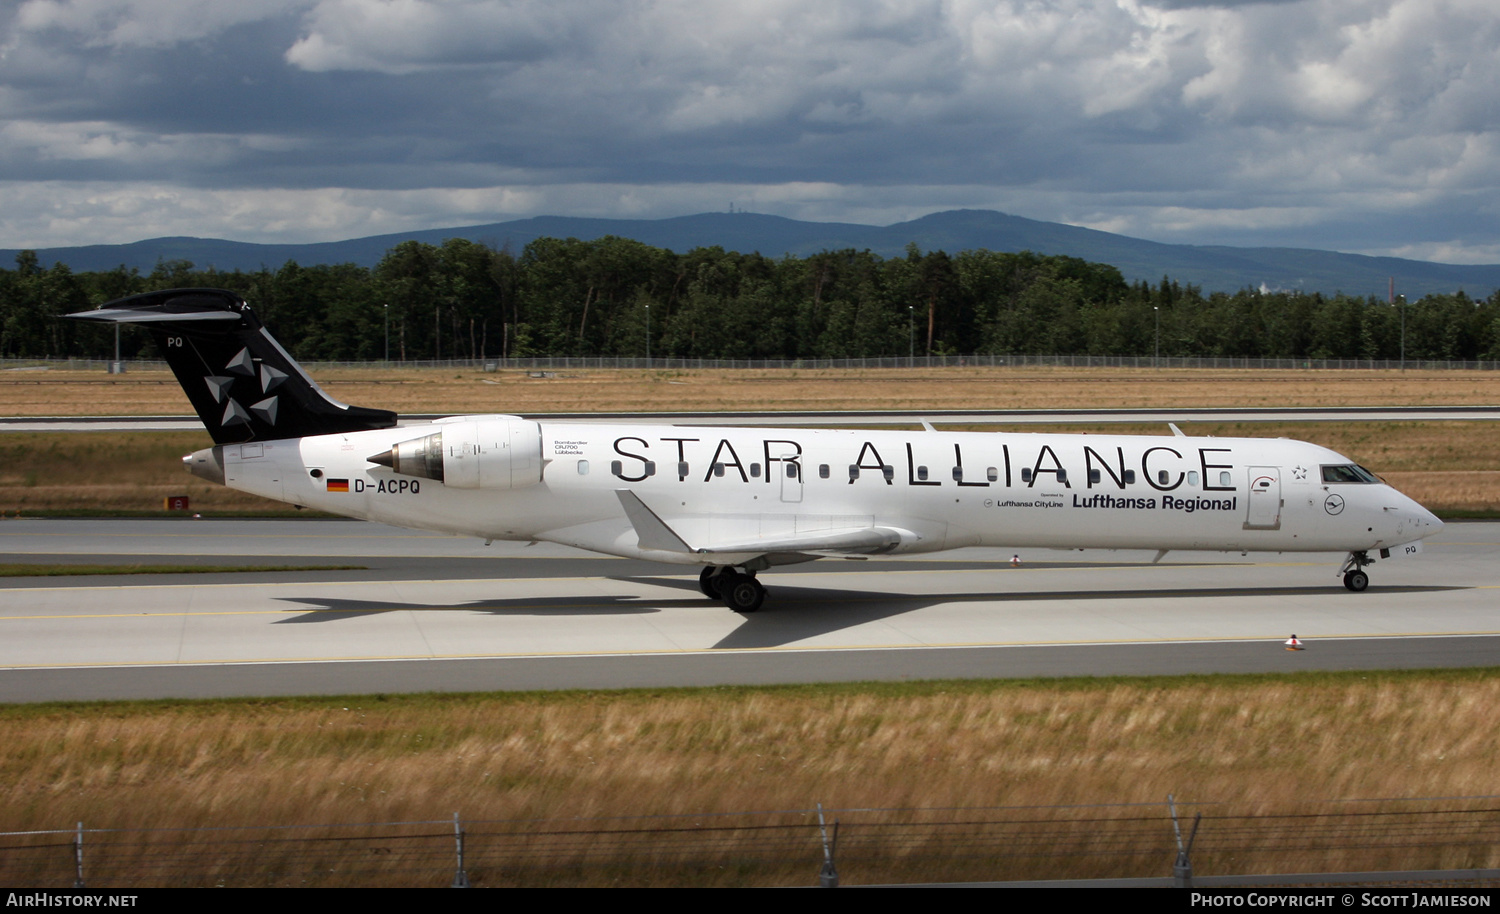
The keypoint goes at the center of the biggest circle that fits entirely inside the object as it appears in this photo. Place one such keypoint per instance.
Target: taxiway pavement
(436, 613)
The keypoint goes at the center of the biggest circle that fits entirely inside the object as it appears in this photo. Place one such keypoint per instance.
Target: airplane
(738, 501)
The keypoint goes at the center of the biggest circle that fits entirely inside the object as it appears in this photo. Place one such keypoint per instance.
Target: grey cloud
(1166, 118)
(420, 34)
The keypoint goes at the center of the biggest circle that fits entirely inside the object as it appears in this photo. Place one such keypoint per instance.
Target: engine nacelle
(493, 452)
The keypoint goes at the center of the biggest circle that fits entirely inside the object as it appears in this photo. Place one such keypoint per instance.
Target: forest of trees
(571, 297)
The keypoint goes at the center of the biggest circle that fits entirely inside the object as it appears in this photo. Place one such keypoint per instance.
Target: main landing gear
(1354, 577)
(737, 589)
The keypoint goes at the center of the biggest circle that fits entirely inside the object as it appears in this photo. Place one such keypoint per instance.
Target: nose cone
(1424, 522)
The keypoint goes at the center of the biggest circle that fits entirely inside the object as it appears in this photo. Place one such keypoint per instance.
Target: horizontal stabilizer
(133, 316)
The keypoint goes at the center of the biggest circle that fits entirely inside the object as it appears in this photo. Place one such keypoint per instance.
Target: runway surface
(436, 613)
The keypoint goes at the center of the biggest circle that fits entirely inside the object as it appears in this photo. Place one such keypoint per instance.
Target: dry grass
(110, 472)
(61, 393)
(1255, 745)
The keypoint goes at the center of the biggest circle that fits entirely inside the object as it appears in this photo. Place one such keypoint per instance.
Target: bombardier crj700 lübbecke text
(740, 500)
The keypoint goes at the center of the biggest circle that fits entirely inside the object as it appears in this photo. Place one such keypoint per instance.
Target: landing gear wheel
(742, 593)
(1356, 581)
(708, 582)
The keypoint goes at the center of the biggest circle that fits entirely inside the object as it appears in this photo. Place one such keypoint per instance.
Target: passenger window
(1192, 477)
(1062, 475)
(823, 471)
(718, 469)
(958, 474)
(1026, 474)
(755, 470)
(1130, 477)
(650, 468)
(1094, 477)
(853, 471)
(791, 471)
(682, 468)
(614, 467)
(1161, 477)
(921, 474)
(992, 474)
(889, 472)
(1224, 478)
(583, 468)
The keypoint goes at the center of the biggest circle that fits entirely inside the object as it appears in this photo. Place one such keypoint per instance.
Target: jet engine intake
(418, 457)
(502, 452)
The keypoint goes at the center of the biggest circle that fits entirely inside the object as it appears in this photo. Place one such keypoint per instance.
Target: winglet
(651, 531)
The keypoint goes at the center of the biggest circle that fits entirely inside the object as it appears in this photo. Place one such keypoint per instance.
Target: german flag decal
(338, 485)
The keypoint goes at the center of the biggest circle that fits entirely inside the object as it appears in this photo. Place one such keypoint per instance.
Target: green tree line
(614, 297)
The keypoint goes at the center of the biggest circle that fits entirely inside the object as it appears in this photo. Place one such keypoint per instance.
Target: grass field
(1254, 744)
(60, 393)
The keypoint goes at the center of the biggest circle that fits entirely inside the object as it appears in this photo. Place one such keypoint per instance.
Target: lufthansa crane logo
(1333, 504)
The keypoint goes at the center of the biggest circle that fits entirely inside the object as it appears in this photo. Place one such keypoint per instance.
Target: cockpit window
(1348, 473)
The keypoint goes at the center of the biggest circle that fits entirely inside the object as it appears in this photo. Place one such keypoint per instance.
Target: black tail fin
(244, 386)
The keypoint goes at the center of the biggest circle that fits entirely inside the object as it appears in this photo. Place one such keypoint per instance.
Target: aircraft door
(791, 479)
(1263, 504)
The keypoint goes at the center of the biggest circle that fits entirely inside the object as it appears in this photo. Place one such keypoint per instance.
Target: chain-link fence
(579, 363)
(789, 847)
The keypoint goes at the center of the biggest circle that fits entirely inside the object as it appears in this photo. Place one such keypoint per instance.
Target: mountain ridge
(1214, 268)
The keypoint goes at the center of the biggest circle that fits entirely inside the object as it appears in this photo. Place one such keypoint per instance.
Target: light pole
(1402, 305)
(911, 335)
(1157, 357)
(648, 337)
(387, 307)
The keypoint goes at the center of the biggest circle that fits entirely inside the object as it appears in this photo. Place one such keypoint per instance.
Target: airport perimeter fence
(581, 363)
(1454, 840)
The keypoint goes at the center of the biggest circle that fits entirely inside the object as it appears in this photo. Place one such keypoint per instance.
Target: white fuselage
(938, 490)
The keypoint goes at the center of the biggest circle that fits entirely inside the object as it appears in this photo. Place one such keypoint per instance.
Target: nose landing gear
(1354, 577)
(737, 589)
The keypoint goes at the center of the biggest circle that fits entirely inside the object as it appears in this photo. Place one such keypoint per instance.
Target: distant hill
(1213, 268)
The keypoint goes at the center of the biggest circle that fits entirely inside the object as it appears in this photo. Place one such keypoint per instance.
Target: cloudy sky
(1356, 125)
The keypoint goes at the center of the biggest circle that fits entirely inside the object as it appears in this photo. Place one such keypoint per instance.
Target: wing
(654, 533)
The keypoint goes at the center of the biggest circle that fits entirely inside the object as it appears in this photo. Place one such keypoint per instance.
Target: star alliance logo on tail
(222, 389)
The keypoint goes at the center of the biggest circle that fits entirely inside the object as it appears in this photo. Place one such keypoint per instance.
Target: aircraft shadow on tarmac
(791, 614)
(795, 613)
(334, 610)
